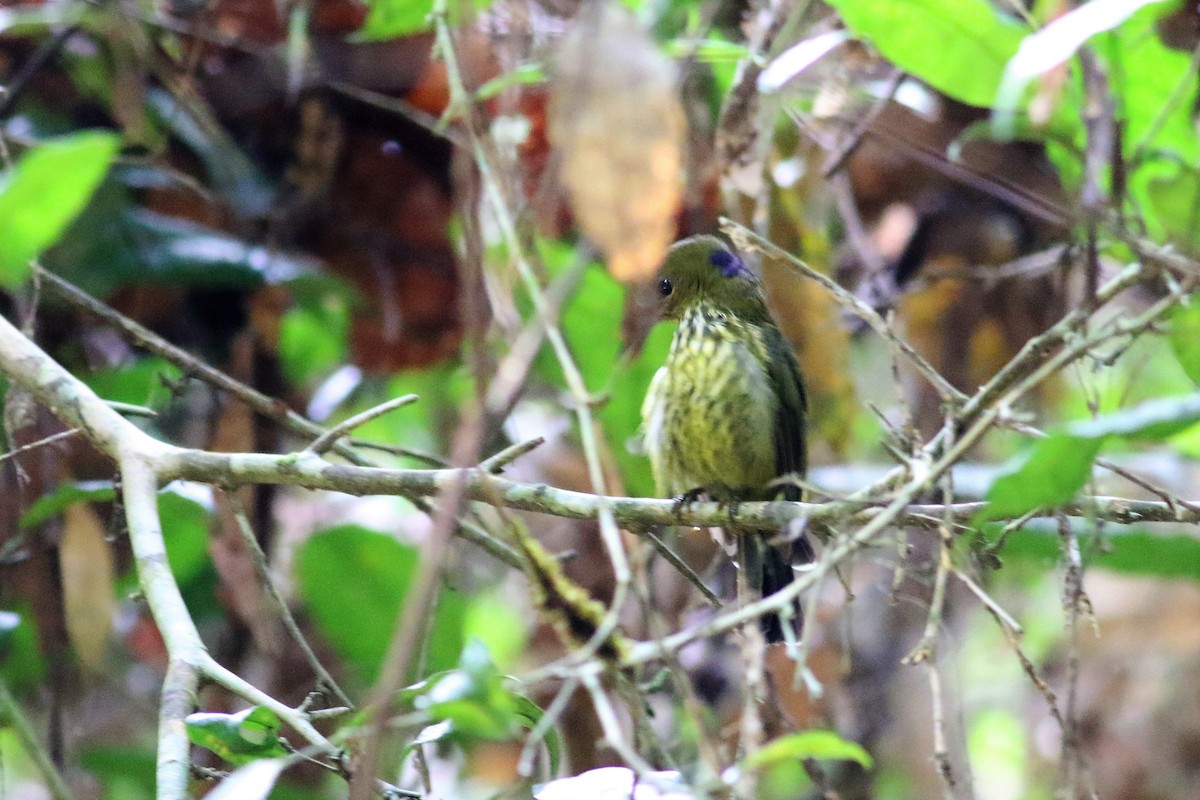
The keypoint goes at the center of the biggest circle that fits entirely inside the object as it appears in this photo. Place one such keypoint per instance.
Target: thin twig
(496, 464)
(267, 406)
(49, 440)
(748, 239)
(323, 443)
(259, 559)
(847, 148)
(14, 718)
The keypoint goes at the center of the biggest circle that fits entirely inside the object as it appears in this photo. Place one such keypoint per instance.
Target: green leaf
(521, 75)
(312, 339)
(808, 744)
(1058, 41)
(126, 772)
(591, 323)
(1057, 467)
(22, 664)
(530, 714)
(1152, 421)
(185, 531)
(497, 624)
(9, 622)
(1126, 550)
(251, 782)
(353, 580)
(45, 190)
(55, 501)
(391, 19)
(707, 51)
(238, 738)
(472, 703)
(1051, 473)
(141, 382)
(1184, 336)
(959, 47)
(472, 698)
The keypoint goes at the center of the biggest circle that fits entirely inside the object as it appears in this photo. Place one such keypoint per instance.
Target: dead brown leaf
(616, 118)
(86, 562)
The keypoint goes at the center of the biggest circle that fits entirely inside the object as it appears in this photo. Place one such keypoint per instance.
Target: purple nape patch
(729, 264)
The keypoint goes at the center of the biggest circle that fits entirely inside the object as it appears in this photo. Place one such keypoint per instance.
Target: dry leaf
(87, 576)
(616, 119)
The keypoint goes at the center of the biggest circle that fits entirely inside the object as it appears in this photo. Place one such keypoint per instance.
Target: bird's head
(703, 269)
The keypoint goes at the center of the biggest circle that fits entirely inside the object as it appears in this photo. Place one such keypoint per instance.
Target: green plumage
(725, 414)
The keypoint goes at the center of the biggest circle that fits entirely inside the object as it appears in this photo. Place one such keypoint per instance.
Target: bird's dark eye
(665, 287)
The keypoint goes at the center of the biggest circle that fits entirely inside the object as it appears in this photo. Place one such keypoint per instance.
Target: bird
(724, 416)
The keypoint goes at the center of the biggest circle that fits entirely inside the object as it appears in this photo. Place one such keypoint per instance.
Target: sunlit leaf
(1059, 40)
(22, 664)
(251, 782)
(820, 744)
(45, 190)
(797, 58)
(1153, 420)
(389, 19)
(616, 782)
(959, 47)
(238, 738)
(143, 382)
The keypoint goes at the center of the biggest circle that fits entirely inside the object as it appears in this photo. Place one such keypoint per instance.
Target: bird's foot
(686, 499)
(731, 505)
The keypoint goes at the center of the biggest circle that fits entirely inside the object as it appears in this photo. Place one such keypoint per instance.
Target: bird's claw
(686, 499)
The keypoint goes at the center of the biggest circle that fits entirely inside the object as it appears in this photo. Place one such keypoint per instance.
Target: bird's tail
(769, 569)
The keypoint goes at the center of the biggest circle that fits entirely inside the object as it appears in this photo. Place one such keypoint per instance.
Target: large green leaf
(1057, 467)
(45, 190)
(1132, 550)
(959, 47)
(1050, 474)
(353, 580)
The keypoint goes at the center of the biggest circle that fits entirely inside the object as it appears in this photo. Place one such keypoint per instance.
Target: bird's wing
(791, 454)
(652, 422)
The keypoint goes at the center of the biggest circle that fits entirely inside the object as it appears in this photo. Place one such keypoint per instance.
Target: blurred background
(314, 198)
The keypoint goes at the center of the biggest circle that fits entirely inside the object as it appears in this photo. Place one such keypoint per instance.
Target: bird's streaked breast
(709, 413)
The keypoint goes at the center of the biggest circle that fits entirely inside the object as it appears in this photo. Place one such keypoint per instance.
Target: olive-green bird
(725, 415)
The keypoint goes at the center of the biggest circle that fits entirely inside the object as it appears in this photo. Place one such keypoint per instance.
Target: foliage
(426, 197)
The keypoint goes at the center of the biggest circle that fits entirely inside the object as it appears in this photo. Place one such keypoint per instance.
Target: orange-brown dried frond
(617, 121)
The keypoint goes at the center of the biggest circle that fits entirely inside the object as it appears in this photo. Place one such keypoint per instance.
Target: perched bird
(724, 416)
